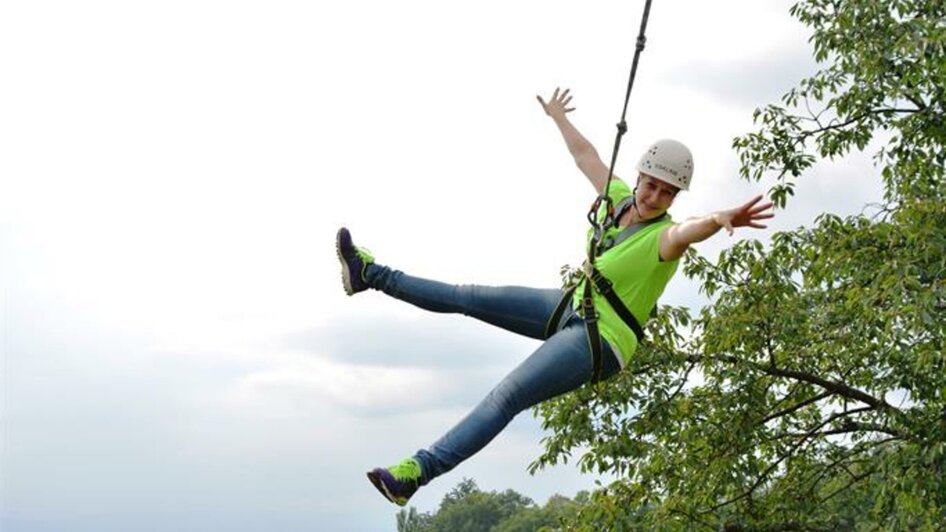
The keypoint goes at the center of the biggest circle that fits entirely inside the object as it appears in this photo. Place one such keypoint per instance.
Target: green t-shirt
(637, 274)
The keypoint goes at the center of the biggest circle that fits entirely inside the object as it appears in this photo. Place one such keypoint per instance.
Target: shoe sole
(379, 485)
(346, 273)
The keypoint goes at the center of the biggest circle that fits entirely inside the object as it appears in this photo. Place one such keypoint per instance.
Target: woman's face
(653, 196)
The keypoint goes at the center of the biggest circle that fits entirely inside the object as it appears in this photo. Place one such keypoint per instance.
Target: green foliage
(468, 509)
(883, 70)
(547, 518)
(411, 521)
(811, 393)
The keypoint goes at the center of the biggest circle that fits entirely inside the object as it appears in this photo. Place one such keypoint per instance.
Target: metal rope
(622, 129)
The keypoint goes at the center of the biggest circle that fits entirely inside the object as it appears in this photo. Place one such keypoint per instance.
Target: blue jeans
(561, 364)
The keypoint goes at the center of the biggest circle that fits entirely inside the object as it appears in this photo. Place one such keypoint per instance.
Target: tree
(547, 518)
(468, 508)
(411, 521)
(811, 393)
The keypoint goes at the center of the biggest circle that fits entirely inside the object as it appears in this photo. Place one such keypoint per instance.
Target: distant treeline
(467, 508)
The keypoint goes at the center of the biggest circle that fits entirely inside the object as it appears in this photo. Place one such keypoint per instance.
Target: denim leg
(561, 364)
(518, 309)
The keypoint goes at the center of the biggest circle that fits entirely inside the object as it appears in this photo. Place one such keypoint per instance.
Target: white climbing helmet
(669, 161)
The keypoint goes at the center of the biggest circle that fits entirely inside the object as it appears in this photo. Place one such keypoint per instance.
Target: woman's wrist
(716, 218)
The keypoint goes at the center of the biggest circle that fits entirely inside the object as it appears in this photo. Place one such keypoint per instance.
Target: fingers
(748, 214)
(748, 205)
(760, 208)
(561, 97)
(752, 221)
(559, 100)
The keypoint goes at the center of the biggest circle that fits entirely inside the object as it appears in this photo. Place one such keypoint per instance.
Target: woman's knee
(508, 398)
(464, 295)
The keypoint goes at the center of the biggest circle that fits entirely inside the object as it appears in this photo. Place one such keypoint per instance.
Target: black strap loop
(591, 329)
(552, 325)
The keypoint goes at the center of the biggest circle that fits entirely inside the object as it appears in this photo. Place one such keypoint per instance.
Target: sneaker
(397, 483)
(354, 262)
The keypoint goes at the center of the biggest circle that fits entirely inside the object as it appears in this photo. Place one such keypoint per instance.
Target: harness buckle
(588, 310)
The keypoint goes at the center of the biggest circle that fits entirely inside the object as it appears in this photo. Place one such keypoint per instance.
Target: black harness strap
(622, 207)
(552, 325)
(590, 315)
(556, 317)
(629, 231)
(606, 289)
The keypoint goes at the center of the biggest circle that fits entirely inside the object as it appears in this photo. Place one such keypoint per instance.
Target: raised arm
(675, 240)
(586, 156)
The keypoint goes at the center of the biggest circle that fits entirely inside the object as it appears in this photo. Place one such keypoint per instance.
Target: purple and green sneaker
(397, 483)
(354, 262)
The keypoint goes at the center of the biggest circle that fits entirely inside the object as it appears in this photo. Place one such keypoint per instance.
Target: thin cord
(622, 129)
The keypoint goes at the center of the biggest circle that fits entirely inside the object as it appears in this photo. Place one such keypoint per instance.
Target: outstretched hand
(746, 215)
(558, 104)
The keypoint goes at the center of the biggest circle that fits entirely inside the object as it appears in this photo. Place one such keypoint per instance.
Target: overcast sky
(177, 350)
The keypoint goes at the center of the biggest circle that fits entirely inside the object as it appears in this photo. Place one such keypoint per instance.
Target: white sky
(177, 351)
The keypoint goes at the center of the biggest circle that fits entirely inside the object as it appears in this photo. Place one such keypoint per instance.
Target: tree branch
(816, 430)
(803, 437)
(683, 381)
(859, 449)
(863, 427)
(840, 125)
(692, 518)
(816, 479)
(855, 479)
(834, 387)
(781, 458)
(796, 407)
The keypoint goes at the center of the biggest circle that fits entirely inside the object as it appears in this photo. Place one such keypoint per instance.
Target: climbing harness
(606, 289)
(593, 278)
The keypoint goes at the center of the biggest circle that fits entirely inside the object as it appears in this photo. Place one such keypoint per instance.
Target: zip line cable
(622, 129)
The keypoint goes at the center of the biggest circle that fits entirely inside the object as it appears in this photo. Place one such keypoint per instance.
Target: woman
(643, 249)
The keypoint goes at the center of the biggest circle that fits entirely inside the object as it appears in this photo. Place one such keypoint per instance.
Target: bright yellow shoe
(399, 482)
